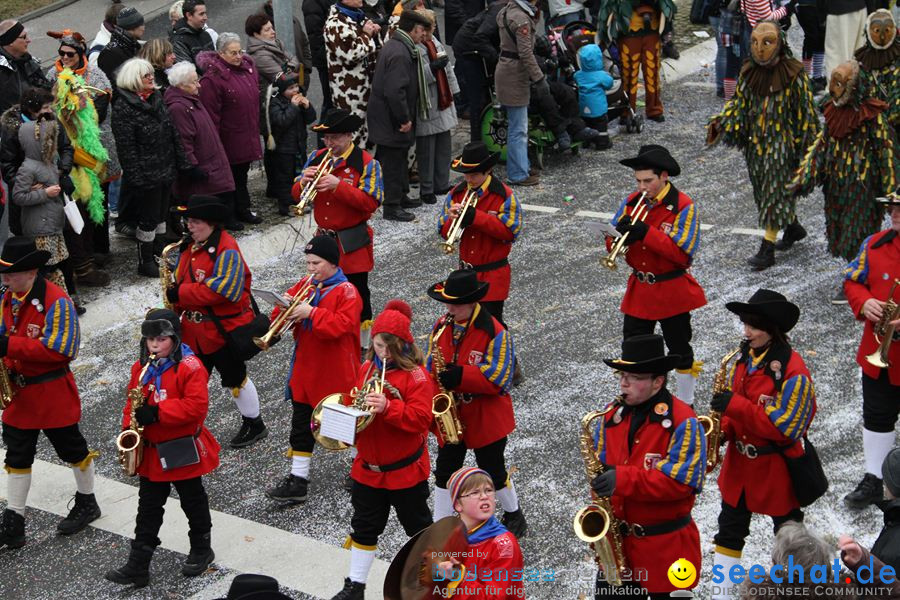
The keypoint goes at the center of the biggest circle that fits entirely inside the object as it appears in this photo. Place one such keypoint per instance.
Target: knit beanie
(456, 481)
(284, 80)
(890, 471)
(130, 18)
(394, 319)
(324, 246)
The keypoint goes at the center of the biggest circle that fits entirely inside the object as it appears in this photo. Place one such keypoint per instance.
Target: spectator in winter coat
(476, 49)
(189, 36)
(267, 51)
(315, 14)
(124, 42)
(593, 82)
(19, 71)
(160, 53)
(105, 32)
(845, 30)
(301, 49)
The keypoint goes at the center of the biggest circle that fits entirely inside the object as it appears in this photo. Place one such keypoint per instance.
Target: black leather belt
(658, 529)
(195, 316)
(23, 380)
(651, 278)
(150, 444)
(509, 54)
(751, 451)
(404, 462)
(491, 266)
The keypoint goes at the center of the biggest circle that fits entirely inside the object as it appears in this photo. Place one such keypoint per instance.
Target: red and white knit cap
(394, 319)
(456, 481)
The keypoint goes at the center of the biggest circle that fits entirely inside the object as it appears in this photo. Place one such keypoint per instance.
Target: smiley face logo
(682, 573)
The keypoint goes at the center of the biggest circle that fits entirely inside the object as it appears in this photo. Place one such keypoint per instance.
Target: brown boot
(90, 276)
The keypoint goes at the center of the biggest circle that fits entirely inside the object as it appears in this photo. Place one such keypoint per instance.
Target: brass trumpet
(309, 191)
(167, 273)
(454, 234)
(281, 324)
(884, 331)
(130, 443)
(374, 385)
(7, 392)
(712, 423)
(443, 404)
(638, 214)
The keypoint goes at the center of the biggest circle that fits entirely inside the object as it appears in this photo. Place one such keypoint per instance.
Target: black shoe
(147, 265)
(84, 512)
(764, 258)
(398, 214)
(198, 560)
(411, 203)
(348, 484)
(290, 490)
(248, 216)
(869, 491)
(252, 430)
(515, 522)
(792, 233)
(352, 591)
(12, 530)
(125, 229)
(518, 375)
(657, 118)
(136, 571)
(819, 84)
(563, 141)
(428, 198)
(670, 51)
(234, 226)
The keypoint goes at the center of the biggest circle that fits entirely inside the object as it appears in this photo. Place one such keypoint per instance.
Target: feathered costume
(854, 160)
(772, 119)
(75, 111)
(879, 67)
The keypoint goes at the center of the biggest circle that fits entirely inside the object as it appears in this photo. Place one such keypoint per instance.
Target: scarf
(80, 70)
(526, 6)
(768, 81)
(327, 285)
(445, 96)
(844, 120)
(159, 366)
(355, 14)
(424, 103)
(487, 530)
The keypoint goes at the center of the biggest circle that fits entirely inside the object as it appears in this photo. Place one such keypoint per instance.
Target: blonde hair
(404, 355)
(175, 11)
(155, 52)
(131, 74)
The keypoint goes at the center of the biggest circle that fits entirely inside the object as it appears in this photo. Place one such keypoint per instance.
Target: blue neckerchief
(158, 367)
(354, 13)
(379, 364)
(487, 530)
(328, 284)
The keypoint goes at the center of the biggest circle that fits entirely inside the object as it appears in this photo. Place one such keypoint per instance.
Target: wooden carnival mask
(843, 82)
(881, 29)
(765, 43)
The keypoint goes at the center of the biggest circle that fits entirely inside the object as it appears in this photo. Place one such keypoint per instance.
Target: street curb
(40, 12)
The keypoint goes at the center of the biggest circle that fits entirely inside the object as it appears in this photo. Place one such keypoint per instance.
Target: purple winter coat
(201, 145)
(231, 96)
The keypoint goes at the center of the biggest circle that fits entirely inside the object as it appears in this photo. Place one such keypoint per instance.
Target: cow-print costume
(351, 54)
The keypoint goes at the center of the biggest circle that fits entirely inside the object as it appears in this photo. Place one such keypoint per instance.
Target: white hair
(175, 11)
(131, 74)
(225, 39)
(179, 73)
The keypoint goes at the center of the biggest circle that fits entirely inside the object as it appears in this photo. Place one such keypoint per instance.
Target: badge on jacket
(200, 275)
(765, 400)
(666, 228)
(475, 357)
(33, 331)
(651, 459)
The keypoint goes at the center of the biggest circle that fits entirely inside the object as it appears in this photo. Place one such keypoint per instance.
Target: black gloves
(146, 415)
(439, 63)
(172, 294)
(605, 484)
(468, 217)
(4, 345)
(638, 231)
(720, 401)
(67, 185)
(196, 174)
(624, 224)
(451, 376)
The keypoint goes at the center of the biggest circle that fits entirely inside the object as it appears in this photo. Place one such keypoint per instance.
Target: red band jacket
(871, 275)
(44, 336)
(761, 415)
(498, 222)
(212, 275)
(673, 237)
(494, 569)
(325, 358)
(183, 403)
(484, 350)
(357, 196)
(658, 476)
(397, 433)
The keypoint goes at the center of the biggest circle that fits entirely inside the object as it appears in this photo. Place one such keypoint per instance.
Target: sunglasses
(68, 54)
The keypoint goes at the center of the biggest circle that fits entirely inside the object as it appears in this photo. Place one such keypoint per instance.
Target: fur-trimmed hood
(11, 120)
(38, 140)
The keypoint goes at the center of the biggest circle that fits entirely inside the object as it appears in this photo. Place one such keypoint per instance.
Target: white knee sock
(726, 562)
(443, 507)
(508, 498)
(684, 387)
(84, 480)
(300, 466)
(360, 563)
(876, 447)
(365, 336)
(247, 400)
(17, 487)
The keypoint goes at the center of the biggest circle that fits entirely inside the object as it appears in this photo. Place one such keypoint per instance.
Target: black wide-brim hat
(653, 156)
(258, 587)
(891, 199)
(205, 208)
(338, 120)
(20, 254)
(769, 305)
(644, 354)
(475, 158)
(461, 287)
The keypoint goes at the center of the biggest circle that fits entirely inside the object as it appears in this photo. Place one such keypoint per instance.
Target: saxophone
(166, 273)
(712, 423)
(443, 404)
(7, 392)
(884, 331)
(596, 523)
(130, 442)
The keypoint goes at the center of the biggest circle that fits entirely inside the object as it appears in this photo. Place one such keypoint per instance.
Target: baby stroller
(569, 41)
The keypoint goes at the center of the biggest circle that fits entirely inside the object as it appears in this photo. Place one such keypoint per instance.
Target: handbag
(180, 452)
(354, 238)
(73, 215)
(807, 475)
(240, 339)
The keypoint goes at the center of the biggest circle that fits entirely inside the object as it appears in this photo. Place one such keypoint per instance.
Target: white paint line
(539, 208)
(594, 215)
(753, 232)
(240, 544)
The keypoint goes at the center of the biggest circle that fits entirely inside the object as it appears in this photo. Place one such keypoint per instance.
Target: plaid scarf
(424, 104)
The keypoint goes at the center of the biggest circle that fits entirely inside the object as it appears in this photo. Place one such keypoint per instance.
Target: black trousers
(152, 496)
(301, 438)
(232, 370)
(280, 175)
(372, 507)
(676, 331)
(241, 193)
(734, 524)
(79, 244)
(152, 204)
(361, 282)
(495, 307)
(881, 403)
(394, 173)
(21, 445)
(99, 236)
(813, 26)
(472, 70)
(451, 457)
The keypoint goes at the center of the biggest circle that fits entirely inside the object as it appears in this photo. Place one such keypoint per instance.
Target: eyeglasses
(237, 52)
(148, 76)
(488, 493)
(632, 377)
(24, 36)
(68, 54)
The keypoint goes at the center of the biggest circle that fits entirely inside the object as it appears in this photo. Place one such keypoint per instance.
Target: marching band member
(346, 198)
(655, 453)
(491, 225)
(661, 248)
(392, 466)
(479, 356)
(173, 383)
(325, 356)
(39, 337)
(767, 410)
(868, 281)
(212, 294)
